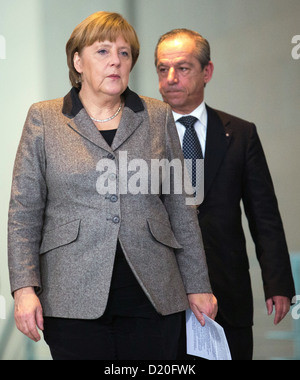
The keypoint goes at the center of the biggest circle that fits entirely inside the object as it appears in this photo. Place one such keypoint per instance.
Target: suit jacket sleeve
(265, 222)
(27, 204)
(184, 221)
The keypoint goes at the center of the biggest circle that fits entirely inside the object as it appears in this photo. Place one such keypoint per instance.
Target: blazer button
(116, 219)
(112, 177)
(114, 198)
(110, 156)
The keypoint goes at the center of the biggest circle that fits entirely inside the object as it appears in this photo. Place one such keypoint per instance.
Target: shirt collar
(200, 113)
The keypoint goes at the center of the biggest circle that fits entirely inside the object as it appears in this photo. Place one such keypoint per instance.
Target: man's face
(181, 77)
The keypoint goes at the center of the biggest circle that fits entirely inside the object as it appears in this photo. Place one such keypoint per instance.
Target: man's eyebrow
(162, 65)
(179, 63)
(182, 63)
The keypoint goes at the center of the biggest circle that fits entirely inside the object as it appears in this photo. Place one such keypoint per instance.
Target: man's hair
(202, 52)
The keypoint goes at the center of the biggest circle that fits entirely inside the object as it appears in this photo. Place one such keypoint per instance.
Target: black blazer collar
(72, 104)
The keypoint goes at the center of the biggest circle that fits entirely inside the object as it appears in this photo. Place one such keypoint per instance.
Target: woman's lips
(114, 76)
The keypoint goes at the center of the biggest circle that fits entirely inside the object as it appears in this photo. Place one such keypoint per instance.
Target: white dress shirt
(200, 127)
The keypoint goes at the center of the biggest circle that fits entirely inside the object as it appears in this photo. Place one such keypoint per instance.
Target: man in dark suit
(235, 170)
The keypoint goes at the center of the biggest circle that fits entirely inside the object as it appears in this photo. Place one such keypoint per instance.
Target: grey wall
(255, 78)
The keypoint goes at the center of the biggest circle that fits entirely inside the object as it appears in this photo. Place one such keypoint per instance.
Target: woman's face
(105, 67)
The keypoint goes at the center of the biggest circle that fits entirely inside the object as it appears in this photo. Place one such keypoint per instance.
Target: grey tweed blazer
(63, 231)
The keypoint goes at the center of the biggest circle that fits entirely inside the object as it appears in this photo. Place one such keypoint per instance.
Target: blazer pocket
(163, 233)
(60, 236)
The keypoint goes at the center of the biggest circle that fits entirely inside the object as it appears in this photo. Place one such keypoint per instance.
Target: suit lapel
(217, 142)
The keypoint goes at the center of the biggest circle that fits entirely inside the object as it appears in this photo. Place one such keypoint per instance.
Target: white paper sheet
(208, 342)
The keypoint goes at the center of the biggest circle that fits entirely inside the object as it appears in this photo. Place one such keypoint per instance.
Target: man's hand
(203, 304)
(28, 313)
(282, 307)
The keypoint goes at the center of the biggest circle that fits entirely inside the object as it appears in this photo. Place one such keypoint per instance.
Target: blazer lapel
(83, 125)
(217, 142)
(129, 123)
(80, 121)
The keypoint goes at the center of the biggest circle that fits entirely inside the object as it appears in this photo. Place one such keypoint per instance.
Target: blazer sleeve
(265, 222)
(184, 221)
(27, 205)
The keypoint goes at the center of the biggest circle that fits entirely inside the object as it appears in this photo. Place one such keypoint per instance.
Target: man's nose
(172, 78)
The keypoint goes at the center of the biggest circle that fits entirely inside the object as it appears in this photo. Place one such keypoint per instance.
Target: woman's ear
(77, 62)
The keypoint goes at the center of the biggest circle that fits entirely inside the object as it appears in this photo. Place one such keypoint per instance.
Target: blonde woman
(104, 275)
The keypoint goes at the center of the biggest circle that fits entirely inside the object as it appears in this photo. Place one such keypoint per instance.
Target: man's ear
(208, 72)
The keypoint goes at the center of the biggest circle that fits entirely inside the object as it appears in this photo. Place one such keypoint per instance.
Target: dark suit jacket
(236, 170)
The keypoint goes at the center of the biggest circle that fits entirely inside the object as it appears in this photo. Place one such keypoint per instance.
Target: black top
(109, 136)
(126, 297)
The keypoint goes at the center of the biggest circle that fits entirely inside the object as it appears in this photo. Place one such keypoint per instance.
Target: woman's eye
(125, 54)
(102, 51)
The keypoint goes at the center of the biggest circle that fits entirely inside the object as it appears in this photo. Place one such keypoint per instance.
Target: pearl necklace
(110, 118)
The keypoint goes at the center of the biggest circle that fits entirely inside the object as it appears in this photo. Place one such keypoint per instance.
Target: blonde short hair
(100, 26)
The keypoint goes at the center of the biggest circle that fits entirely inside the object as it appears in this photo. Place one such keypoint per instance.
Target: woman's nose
(115, 59)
